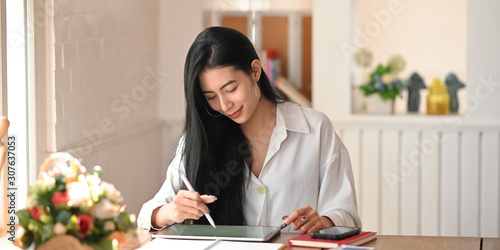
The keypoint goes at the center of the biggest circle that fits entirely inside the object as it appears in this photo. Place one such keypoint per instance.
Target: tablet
(237, 233)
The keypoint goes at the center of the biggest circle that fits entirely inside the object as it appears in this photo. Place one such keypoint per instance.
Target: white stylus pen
(186, 182)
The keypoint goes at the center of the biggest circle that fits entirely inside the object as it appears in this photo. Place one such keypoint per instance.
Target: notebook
(306, 240)
(207, 232)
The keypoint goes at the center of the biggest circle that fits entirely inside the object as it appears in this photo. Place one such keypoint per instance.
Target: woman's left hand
(307, 220)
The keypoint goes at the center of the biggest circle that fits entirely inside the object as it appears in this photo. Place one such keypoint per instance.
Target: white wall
(330, 69)
(106, 77)
(106, 82)
(483, 60)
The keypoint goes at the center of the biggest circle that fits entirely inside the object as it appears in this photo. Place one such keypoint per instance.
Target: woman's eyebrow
(223, 86)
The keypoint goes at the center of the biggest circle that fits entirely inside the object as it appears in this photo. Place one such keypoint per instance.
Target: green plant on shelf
(384, 80)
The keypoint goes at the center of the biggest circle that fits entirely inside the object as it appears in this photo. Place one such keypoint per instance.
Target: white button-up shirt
(306, 164)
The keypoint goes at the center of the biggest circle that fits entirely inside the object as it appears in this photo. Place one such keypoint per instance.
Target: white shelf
(417, 121)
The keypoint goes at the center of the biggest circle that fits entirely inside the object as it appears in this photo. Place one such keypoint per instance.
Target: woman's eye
(232, 90)
(211, 98)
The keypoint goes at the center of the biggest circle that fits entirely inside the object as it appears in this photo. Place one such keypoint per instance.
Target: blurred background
(103, 80)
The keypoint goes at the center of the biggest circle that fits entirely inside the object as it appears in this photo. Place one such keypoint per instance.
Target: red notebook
(306, 240)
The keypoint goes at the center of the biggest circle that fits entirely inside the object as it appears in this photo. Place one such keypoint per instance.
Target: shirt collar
(291, 117)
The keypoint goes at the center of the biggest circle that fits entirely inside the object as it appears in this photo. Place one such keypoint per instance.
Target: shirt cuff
(342, 218)
(144, 220)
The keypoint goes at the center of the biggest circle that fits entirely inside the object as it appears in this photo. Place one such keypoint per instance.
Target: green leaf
(102, 244)
(44, 198)
(37, 228)
(123, 222)
(27, 239)
(47, 232)
(63, 217)
(380, 70)
(389, 94)
(60, 183)
(366, 90)
(98, 228)
(24, 217)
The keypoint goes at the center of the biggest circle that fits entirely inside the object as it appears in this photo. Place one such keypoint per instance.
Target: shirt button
(261, 190)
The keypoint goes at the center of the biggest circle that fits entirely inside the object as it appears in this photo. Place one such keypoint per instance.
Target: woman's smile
(236, 114)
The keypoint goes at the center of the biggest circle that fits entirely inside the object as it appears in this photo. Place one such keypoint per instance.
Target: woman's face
(231, 92)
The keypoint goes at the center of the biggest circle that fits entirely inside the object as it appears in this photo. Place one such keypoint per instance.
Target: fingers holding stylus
(190, 205)
(186, 205)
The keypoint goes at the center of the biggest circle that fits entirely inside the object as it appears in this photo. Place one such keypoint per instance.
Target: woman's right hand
(186, 205)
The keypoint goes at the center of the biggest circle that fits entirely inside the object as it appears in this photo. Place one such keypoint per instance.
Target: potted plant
(382, 85)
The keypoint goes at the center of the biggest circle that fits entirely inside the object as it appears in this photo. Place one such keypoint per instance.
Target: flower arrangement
(69, 201)
(383, 80)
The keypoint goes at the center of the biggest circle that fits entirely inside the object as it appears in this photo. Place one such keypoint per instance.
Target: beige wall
(106, 75)
(333, 74)
(430, 35)
(176, 31)
(258, 5)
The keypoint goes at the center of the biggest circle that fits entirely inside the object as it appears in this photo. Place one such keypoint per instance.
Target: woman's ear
(256, 69)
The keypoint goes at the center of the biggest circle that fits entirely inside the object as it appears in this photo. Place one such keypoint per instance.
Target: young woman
(257, 159)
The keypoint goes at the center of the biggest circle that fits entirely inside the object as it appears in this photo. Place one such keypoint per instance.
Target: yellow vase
(438, 99)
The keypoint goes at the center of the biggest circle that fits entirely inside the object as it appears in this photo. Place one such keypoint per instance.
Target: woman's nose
(225, 104)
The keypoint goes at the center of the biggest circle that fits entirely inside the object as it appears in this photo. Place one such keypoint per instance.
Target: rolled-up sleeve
(337, 196)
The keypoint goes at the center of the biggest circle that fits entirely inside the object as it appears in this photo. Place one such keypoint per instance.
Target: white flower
(111, 192)
(104, 209)
(95, 191)
(93, 180)
(133, 218)
(68, 172)
(363, 57)
(30, 202)
(46, 183)
(387, 78)
(396, 63)
(109, 226)
(78, 193)
(59, 228)
(95, 188)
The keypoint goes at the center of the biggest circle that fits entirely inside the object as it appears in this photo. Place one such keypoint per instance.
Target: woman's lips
(236, 114)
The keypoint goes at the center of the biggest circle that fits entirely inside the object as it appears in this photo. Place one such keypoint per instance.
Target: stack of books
(306, 240)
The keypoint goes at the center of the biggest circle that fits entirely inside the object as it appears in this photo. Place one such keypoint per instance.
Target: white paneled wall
(425, 180)
(131, 161)
(489, 185)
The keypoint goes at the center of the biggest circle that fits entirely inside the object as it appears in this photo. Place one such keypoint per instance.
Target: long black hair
(215, 148)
